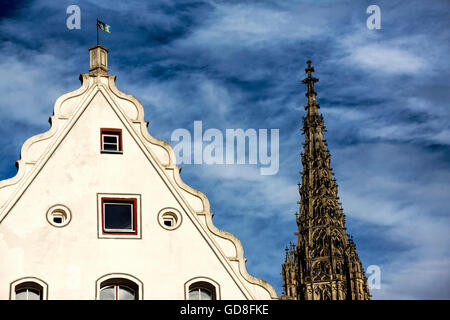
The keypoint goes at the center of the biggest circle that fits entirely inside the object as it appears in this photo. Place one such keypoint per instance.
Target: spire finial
(309, 69)
(310, 80)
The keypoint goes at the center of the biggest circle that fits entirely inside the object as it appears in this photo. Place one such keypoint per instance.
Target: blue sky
(384, 95)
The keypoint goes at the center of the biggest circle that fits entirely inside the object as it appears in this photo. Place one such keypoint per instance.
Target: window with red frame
(111, 140)
(119, 216)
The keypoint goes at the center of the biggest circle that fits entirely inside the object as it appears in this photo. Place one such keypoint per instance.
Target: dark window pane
(168, 223)
(110, 146)
(118, 216)
(109, 139)
(57, 219)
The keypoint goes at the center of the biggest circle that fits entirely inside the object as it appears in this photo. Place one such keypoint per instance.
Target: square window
(111, 140)
(119, 216)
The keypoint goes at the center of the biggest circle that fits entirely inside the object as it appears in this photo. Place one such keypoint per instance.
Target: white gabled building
(98, 210)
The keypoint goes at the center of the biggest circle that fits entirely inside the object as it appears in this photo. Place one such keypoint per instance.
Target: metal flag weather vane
(103, 26)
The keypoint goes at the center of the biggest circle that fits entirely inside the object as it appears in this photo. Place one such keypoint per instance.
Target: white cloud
(425, 278)
(245, 26)
(273, 190)
(21, 87)
(410, 208)
(344, 114)
(380, 58)
(427, 131)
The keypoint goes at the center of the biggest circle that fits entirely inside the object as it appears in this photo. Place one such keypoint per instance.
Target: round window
(59, 216)
(169, 218)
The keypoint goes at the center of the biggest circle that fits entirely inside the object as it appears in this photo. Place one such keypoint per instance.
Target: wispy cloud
(387, 60)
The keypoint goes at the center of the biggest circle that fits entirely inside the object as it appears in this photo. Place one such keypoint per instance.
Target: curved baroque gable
(67, 109)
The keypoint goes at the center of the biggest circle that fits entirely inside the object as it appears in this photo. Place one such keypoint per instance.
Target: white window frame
(124, 203)
(116, 144)
(169, 219)
(59, 215)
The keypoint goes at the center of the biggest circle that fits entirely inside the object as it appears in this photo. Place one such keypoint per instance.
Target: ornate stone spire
(324, 264)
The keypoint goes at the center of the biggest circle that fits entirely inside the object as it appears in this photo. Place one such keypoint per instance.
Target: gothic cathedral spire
(324, 265)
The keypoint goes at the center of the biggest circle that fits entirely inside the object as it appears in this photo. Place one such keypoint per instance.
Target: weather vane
(103, 26)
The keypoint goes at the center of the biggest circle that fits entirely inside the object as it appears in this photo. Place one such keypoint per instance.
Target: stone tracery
(323, 264)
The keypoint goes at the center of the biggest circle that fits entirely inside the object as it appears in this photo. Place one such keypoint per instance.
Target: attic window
(119, 216)
(111, 140)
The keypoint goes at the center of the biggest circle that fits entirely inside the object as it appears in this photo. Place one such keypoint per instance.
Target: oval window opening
(59, 216)
(169, 219)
